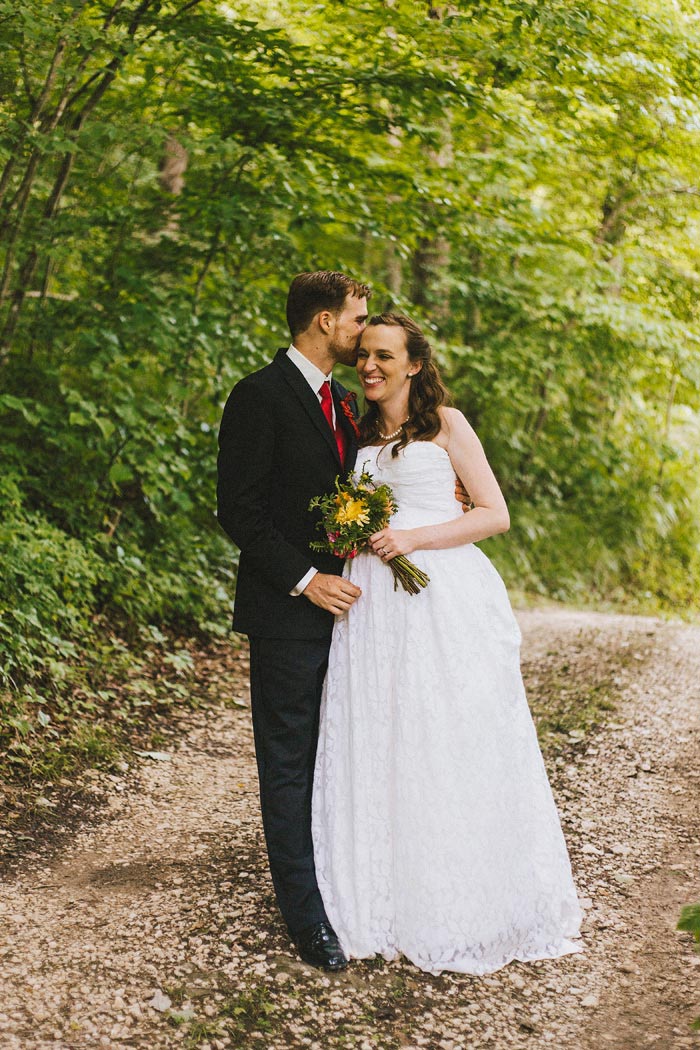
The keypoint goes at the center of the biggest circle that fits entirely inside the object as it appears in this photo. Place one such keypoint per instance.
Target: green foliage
(249, 1011)
(690, 922)
(56, 589)
(243, 1014)
(521, 178)
(48, 591)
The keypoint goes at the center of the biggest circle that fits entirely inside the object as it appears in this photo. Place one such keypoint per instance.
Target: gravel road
(153, 923)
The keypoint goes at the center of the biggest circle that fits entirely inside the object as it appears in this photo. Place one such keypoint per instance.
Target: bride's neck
(391, 417)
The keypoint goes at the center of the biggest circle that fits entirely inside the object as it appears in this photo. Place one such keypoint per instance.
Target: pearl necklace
(388, 437)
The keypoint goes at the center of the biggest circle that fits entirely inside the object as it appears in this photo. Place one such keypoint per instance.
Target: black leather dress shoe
(318, 945)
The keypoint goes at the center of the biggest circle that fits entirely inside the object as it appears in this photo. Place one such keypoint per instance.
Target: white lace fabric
(435, 831)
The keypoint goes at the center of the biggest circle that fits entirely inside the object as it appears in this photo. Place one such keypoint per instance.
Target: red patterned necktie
(327, 406)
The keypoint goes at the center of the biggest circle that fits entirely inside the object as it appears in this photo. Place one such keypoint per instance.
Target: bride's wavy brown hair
(425, 397)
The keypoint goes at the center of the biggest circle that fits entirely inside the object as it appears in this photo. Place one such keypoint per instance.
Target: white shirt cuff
(303, 583)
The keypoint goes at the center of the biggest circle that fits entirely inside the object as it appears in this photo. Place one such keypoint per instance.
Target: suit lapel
(307, 398)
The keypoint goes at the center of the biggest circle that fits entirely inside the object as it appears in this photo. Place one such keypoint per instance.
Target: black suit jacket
(276, 452)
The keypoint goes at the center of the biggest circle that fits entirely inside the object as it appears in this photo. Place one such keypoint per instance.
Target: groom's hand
(462, 496)
(331, 592)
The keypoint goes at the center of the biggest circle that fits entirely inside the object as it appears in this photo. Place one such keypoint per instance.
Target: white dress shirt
(313, 375)
(315, 378)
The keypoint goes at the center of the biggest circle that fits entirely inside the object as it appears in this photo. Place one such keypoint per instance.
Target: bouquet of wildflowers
(354, 512)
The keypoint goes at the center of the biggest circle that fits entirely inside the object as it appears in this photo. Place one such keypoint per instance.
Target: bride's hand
(389, 543)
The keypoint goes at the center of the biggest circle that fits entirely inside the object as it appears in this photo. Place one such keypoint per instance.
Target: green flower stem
(411, 578)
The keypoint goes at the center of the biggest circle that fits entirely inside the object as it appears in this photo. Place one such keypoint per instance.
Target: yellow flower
(354, 510)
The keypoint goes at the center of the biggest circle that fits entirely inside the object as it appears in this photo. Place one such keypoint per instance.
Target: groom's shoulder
(264, 383)
(269, 376)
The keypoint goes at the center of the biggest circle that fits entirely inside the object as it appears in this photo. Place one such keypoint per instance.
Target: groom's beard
(345, 355)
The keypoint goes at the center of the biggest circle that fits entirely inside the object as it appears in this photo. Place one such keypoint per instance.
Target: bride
(435, 831)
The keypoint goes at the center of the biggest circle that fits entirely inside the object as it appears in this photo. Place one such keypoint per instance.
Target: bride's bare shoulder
(454, 425)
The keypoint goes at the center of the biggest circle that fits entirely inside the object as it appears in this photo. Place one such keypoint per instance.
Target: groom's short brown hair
(310, 293)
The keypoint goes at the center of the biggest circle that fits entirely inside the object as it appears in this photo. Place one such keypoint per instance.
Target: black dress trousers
(286, 680)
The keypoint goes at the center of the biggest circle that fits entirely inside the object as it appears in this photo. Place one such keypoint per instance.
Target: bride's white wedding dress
(435, 831)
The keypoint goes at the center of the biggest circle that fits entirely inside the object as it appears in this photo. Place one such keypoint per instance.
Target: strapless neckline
(411, 444)
(422, 481)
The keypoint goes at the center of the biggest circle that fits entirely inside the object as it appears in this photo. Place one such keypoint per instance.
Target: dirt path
(156, 926)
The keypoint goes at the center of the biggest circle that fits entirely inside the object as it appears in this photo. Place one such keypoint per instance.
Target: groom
(285, 436)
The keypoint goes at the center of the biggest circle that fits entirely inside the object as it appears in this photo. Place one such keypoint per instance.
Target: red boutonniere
(349, 407)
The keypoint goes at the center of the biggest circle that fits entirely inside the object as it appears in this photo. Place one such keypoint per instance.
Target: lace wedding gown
(435, 831)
